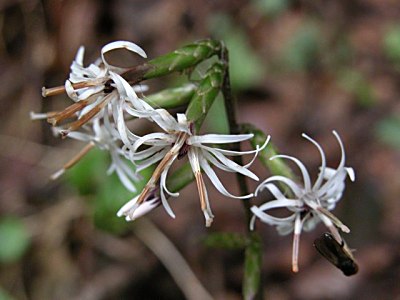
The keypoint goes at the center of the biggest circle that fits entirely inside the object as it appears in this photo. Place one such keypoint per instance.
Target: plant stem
(234, 128)
(182, 59)
(251, 287)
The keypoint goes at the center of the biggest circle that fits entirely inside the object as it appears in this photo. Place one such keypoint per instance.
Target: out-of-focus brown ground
(69, 258)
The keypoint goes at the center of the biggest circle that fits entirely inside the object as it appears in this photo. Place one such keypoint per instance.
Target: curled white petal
(122, 45)
(320, 178)
(304, 172)
(217, 183)
(289, 182)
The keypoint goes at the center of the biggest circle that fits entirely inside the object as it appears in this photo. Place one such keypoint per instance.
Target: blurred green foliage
(246, 67)
(4, 295)
(302, 50)
(355, 83)
(271, 8)
(388, 130)
(14, 239)
(391, 43)
(89, 172)
(108, 194)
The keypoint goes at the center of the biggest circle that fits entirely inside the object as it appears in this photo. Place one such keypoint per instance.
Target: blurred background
(296, 66)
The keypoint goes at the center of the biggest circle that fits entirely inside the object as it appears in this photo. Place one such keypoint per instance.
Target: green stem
(182, 59)
(234, 129)
(172, 97)
(179, 60)
(276, 166)
(205, 94)
(180, 178)
(252, 288)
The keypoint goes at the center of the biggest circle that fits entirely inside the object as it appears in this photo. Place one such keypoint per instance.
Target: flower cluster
(104, 101)
(104, 105)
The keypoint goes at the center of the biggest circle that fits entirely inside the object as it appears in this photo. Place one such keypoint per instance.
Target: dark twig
(252, 289)
(234, 128)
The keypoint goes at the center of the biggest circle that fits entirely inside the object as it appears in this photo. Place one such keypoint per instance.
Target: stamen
(156, 175)
(86, 117)
(201, 189)
(171, 154)
(47, 92)
(67, 113)
(334, 219)
(73, 161)
(295, 253)
(145, 192)
(52, 91)
(41, 116)
(202, 195)
(209, 219)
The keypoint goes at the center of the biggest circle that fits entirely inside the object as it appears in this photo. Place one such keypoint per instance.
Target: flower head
(310, 204)
(177, 141)
(84, 82)
(99, 88)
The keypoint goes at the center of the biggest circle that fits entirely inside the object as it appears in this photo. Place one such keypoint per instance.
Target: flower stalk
(251, 284)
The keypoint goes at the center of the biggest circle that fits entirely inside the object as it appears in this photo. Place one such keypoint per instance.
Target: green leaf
(225, 240)
(388, 130)
(14, 239)
(252, 267)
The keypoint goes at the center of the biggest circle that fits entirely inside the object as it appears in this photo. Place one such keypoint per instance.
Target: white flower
(98, 88)
(310, 203)
(105, 137)
(177, 141)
